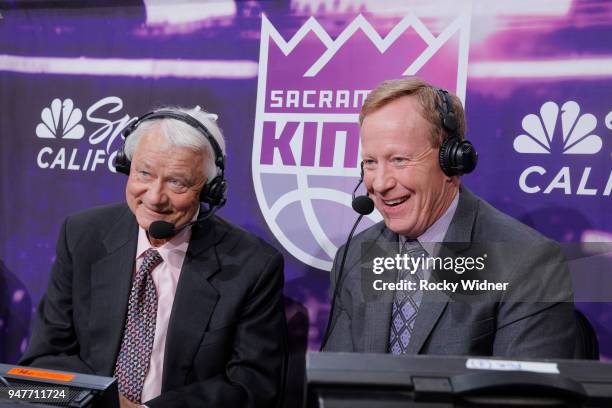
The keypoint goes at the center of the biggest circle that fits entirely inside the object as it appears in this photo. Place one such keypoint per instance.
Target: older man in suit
(188, 315)
(414, 152)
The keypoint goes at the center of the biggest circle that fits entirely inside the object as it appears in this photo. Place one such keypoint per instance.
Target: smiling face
(165, 181)
(401, 170)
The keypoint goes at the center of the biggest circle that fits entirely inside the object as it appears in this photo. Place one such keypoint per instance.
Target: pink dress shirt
(165, 276)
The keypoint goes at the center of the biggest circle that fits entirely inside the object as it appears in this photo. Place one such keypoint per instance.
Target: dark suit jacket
(226, 342)
(533, 319)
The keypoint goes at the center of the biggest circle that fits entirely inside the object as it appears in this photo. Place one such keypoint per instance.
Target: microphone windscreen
(161, 229)
(363, 205)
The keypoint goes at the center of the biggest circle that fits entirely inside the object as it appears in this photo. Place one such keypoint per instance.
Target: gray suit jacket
(534, 318)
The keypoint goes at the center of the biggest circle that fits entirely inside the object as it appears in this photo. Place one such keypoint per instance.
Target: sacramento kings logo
(306, 142)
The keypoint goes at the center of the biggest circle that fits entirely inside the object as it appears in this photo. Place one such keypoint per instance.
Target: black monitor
(41, 387)
(351, 380)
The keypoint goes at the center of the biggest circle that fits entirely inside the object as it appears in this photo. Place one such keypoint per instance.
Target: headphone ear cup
(121, 162)
(466, 157)
(444, 156)
(213, 192)
(457, 157)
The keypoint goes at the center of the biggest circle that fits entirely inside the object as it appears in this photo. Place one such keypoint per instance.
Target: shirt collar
(177, 244)
(436, 232)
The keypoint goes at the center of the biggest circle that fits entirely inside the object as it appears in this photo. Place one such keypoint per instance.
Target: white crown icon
(459, 25)
(62, 119)
(577, 136)
(352, 62)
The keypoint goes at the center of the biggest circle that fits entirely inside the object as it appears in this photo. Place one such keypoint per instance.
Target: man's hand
(126, 403)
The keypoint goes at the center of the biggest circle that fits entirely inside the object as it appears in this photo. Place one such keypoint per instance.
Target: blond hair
(429, 100)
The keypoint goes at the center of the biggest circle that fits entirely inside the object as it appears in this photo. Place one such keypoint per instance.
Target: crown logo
(62, 120)
(576, 130)
(311, 87)
(359, 57)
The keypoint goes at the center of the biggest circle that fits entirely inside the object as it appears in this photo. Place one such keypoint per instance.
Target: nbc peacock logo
(576, 131)
(61, 120)
(562, 130)
(61, 135)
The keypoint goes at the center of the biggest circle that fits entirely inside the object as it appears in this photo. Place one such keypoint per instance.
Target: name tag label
(511, 365)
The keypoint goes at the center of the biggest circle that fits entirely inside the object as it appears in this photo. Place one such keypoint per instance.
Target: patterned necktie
(406, 303)
(139, 333)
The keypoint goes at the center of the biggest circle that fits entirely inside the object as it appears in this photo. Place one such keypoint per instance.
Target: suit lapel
(378, 310)
(111, 279)
(432, 306)
(460, 228)
(434, 302)
(194, 302)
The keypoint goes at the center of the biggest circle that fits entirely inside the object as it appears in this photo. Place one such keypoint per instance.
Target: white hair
(181, 134)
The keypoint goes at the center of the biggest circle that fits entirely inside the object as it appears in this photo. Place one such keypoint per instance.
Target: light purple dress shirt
(435, 233)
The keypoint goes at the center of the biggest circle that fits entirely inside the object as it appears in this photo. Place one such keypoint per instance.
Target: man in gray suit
(414, 152)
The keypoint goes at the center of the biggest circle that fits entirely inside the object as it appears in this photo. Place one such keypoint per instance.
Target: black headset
(457, 157)
(213, 192)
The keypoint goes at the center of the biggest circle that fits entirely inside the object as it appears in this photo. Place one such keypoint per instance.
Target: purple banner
(287, 80)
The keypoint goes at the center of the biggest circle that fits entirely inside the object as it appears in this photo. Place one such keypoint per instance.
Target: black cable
(329, 326)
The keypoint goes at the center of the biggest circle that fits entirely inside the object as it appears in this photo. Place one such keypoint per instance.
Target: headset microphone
(161, 230)
(164, 229)
(363, 205)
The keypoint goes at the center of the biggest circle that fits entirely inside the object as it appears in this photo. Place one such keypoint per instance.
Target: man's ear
(455, 180)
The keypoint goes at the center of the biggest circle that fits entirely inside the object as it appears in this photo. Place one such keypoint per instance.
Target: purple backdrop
(534, 76)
